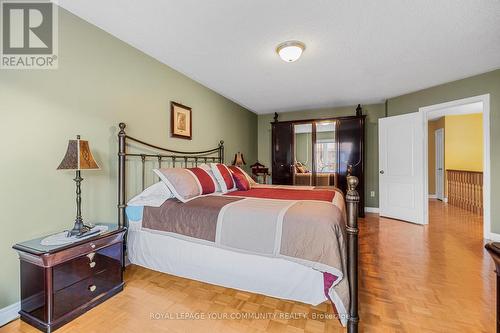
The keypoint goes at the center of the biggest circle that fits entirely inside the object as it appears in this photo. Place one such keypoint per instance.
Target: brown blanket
(196, 218)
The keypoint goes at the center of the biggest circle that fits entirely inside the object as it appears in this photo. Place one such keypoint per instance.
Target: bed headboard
(148, 152)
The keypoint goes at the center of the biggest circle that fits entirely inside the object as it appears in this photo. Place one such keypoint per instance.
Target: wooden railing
(465, 190)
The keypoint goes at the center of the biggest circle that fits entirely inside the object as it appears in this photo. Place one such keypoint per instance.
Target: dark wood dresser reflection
(59, 283)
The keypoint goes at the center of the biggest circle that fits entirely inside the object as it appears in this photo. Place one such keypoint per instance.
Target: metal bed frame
(217, 155)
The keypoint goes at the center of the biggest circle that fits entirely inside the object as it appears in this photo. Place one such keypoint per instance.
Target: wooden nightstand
(59, 283)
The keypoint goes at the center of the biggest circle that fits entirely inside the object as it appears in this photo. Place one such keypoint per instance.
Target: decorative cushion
(241, 182)
(187, 184)
(236, 169)
(207, 168)
(223, 176)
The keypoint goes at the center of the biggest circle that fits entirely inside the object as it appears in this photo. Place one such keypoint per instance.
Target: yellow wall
(464, 142)
(463, 145)
(433, 126)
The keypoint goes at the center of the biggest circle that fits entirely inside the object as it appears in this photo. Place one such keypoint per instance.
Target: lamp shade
(78, 156)
(238, 159)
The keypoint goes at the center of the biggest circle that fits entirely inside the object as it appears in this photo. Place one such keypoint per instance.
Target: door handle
(381, 172)
(440, 169)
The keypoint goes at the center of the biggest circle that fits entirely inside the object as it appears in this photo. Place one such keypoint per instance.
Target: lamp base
(79, 229)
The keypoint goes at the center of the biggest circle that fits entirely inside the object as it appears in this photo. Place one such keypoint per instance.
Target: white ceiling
(357, 51)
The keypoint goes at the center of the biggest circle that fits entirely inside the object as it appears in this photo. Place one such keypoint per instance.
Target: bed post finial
(121, 174)
(221, 151)
(352, 199)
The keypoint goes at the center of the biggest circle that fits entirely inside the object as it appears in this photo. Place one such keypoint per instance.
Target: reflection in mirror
(325, 154)
(303, 166)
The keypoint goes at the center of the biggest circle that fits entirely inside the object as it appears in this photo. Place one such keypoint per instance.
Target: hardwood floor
(435, 278)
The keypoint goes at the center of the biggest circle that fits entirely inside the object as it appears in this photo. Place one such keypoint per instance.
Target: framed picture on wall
(181, 123)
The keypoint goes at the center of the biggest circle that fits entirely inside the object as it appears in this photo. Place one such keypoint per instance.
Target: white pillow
(153, 196)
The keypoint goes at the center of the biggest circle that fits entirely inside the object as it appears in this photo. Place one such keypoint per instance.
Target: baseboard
(371, 210)
(9, 313)
(494, 237)
(127, 261)
(434, 196)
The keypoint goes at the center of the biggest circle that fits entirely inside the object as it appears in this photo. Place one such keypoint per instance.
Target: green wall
(488, 83)
(100, 82)
(373, 112)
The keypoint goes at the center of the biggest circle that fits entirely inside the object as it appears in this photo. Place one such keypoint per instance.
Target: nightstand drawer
(80, 268)
(81, 293)
(78, 250)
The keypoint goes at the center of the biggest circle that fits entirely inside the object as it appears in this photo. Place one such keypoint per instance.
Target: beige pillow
(187, 184)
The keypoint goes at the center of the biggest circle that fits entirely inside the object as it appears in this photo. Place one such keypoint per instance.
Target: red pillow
(235, 169)
(241, 182)
(223, 176)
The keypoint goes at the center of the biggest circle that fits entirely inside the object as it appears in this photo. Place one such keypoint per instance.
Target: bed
(226, 257)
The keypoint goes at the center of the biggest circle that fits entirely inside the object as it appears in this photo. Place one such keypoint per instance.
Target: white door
(439, 140)
(401, 167)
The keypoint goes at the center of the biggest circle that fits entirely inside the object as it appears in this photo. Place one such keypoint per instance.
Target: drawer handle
(91, 256)
(92, 264)
(92, 288)
(92, 245)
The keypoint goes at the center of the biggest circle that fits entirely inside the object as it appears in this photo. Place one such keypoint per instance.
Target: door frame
(425, 111)
(441, 131)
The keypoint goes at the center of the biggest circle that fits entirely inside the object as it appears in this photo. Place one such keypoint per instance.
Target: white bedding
(258, 274)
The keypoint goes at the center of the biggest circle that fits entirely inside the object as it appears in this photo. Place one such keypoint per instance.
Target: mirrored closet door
(303, 154)
(318, 152)
(315, 153)
(325, 151)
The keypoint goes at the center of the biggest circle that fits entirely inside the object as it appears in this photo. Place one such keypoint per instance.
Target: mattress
(268, 276)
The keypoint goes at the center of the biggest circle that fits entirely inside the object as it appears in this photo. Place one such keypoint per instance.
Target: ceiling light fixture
(290, 51)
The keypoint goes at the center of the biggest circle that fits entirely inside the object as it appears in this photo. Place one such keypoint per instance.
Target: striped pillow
(238, 170)
(223, 176)
(187, 184)
(241, 182)
(207, 168)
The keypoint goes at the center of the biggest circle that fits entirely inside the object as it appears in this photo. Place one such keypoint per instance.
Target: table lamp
(239, 160)
(78, 157)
